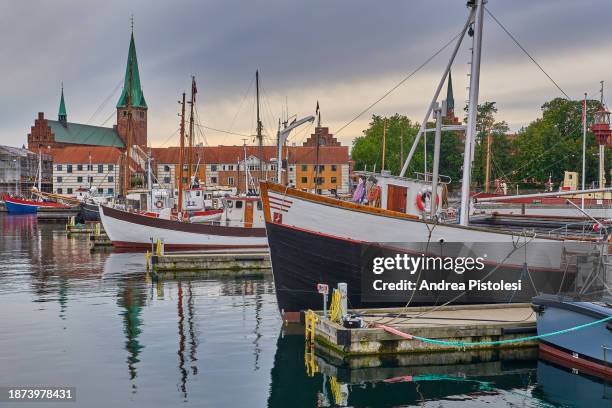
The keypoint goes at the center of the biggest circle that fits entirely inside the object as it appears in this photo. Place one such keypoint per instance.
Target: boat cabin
(201, 198)
(242, 211)
(402, 194)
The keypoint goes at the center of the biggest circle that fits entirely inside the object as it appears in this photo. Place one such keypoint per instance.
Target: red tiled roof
(80, 154)
(232, 154)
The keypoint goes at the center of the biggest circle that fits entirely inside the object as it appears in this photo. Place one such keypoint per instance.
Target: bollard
(343, 288)
(159, 249)
(97, 229)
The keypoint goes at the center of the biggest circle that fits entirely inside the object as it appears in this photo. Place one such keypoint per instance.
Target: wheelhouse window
(239, 204)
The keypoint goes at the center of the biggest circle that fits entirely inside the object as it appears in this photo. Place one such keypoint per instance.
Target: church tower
(450, 102)
(62, 117)
(139, 106)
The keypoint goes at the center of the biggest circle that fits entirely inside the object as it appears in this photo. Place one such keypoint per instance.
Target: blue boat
(588, 350)
(19, 206)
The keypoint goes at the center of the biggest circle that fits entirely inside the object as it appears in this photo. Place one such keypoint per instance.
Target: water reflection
(131, 298)
(95, 322)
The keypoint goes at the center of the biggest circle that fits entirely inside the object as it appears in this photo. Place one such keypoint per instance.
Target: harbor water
(95, 322)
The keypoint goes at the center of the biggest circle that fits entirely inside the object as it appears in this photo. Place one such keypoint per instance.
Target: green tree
(552, 144)
(367, 149)
(501, 146)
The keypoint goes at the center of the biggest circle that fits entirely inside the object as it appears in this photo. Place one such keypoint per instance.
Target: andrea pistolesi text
(406, 264)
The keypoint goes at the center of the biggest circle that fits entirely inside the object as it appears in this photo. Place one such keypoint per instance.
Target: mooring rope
(489, 343)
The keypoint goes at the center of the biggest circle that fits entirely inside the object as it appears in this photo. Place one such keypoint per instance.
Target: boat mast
(436, 94)
(190, 147)
(181, 158)
(472, 111)
(602, 148)
(149, 183)
(259, 127)
(384, 146)
(584, 132)
(488, 163)
(128, 144)
(39, 169)
(89, 170)
(246, 168)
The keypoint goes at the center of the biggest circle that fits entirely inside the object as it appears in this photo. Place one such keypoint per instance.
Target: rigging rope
(491, 343)
(527, 53)
(427, 61)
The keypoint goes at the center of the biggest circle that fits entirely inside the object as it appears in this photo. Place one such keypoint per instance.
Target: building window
(213, 167)
(334, 167)
(230, 181)
(59, 179)
(167, 180)
(100, 168)
(333, 180)
(230, 167)
(321, 167)
(100, 191)
(166, 168)
(111, 167)
(304, 179)
(69, 169)
(58, 168)
(111, 179)
(213, 180)
(90, 179)
(184, 167)
(141, 114)
(60, 191)
(259, 206)
(79, 179)
(79, 167)
(319, 180)
(110, 190)
(304, 167)
(69, 190)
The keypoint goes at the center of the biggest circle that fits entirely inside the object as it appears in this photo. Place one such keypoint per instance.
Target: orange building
(228, 165)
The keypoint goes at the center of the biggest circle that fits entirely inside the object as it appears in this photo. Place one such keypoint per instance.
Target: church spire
(450, 100)
(61, 115)
(138, 100)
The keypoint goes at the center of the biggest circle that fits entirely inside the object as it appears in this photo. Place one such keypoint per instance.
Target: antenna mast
(259, 127)
(190, 147)
(181, 158)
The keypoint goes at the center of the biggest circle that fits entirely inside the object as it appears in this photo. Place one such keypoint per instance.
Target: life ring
(159, 204)
(423, 200)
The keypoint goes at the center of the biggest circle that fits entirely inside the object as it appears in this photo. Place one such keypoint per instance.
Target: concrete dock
(460, 323)
(99, 241)
(209, 263)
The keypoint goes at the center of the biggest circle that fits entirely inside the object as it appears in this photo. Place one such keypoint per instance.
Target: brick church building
(84, 147)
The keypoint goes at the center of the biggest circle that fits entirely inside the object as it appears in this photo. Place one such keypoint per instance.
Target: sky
(343, 53)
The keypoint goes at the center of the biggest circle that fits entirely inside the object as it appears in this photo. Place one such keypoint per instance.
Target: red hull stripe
(280, 200)
(278, 208)
(34, 203)
(567, 360)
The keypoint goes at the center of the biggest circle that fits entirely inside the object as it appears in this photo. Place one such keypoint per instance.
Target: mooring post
(343, 289)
